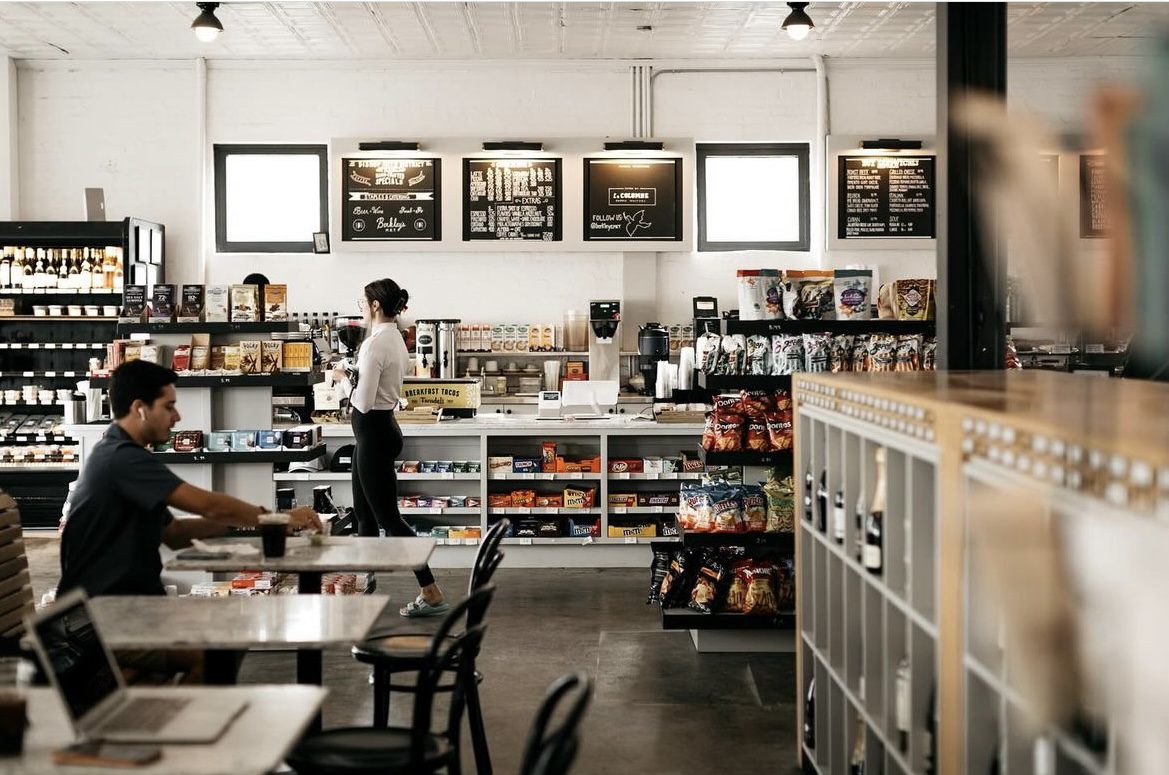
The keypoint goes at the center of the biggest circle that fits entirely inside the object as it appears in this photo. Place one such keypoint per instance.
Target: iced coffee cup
(274, 533)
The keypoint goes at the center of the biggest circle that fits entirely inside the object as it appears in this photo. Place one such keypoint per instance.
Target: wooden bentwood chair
(552, 752)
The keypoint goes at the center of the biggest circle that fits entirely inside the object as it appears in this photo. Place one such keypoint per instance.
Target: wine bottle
(856, 762)
(810, 716)
(822, 502)
(809, 484)
(28, 273)
(838, 516)
(901, 704)
(875, 522)
(931, 735)
(859, 539)
(6, 268)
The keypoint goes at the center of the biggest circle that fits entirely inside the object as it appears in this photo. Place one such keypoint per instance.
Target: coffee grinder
(604, 343)
(653, 345)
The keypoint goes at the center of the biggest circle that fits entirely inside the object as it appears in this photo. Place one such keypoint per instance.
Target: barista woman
(382, 361)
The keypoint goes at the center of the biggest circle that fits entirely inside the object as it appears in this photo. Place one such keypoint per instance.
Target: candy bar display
(437, 466)
(574, 497)
(784, 354)
(549, 461)
(439, 501)
(264, 440)
(752, 420)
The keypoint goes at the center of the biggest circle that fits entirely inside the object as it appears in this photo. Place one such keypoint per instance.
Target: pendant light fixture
(797, 24)
(206, 26)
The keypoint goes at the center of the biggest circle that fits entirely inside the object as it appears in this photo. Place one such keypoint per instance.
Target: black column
(972, 55)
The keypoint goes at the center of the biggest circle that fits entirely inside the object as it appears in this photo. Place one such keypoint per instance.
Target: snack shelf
(559, 540)
(44, 374)
(768, 540)
(745, 381)
(445, 510)
(259, 456)
(688, 476)
(58, 292)
(435, 477)
(687, 619)
(456, 541)
(284, 379)
(623, 510)
(322, 476)
(35, 467)
(744, 458)
(542, 477)
(260, 327)
(34, 438)
(51, 346)
(540, 510)
(647, 541)
(871, 326)
(59, 319)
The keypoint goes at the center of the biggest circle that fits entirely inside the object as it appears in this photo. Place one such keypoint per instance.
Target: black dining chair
(401, 650)
(415, 749)
(552, 751)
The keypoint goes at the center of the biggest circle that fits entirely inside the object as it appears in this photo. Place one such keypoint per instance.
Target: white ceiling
(546, 30)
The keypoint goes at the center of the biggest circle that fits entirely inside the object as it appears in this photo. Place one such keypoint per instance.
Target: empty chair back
(551, 751)
(488, 553)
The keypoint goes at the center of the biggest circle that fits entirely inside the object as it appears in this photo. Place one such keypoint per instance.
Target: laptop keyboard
(145, 714)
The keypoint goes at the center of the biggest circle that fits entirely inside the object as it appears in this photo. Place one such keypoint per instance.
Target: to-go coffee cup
(273, 533)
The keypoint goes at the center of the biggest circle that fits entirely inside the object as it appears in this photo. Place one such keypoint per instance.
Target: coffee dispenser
(435, 347)
(653, 345)
(604, 343)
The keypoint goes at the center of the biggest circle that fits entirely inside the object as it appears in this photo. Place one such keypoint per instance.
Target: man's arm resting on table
(220, 511)
(180, 532)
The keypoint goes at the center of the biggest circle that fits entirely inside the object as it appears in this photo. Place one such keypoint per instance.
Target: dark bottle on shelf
(874, 551)
(810, 716)
(856, 762)
(859, 539)
(822, 502)
(996, 764)
(838, 516)
(931, 734)
(809, 485)
(901, 704)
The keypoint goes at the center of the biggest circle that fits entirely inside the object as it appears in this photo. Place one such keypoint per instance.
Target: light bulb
(798, 31)
(210, 34)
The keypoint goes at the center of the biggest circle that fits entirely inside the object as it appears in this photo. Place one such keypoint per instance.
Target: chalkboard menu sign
(511, 199)
(1094, 220)
(886, 197)
(633, 199)
(390, 199)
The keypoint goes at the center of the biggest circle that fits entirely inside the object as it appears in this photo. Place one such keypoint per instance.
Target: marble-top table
(228, 624)
(256, 741)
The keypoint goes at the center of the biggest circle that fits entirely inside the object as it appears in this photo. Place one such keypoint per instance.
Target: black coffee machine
(653, 345)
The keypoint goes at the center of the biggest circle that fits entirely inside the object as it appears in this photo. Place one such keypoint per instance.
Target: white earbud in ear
(141, 414)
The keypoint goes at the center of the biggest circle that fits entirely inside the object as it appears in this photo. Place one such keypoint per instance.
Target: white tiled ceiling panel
(541, 30)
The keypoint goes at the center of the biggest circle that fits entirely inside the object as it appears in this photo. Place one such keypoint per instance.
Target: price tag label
(434, 510)
(522, 510)
(69, 374)
(454, 541)
(525, 542)
(4, 346)
(669, 476)
(446, 476)
(621, 476)
(576, 475)
(71, 346)
(658, 509)
(472, 542)
(619, 510)
(34, 345)
(526, 476)
(33, 374)
(630, 540)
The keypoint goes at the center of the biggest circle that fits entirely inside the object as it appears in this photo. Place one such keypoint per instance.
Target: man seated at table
(118, 513)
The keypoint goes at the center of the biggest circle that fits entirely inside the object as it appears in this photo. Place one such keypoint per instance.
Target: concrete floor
(658, 706)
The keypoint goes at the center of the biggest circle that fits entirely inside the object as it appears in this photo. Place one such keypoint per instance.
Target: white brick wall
(130, 128)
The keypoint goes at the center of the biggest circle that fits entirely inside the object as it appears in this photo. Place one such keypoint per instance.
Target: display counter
(945, 635)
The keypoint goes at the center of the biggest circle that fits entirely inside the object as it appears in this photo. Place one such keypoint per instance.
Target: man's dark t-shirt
(116, 519)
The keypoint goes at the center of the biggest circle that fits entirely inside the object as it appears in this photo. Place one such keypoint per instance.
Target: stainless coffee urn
(435, 347)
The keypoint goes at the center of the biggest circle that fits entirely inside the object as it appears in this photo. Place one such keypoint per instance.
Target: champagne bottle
(856, 762)
(822, 502)
(875, 522)
(901, 704)
(810, 716)
(838, 517)
(931, 735)
(809, 484)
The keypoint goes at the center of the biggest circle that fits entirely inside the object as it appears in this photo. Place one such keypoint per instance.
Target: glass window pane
(272, 197)
(752, 199)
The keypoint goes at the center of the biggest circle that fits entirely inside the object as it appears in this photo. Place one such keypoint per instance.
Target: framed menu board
(886, 197)
(511, 199)
(390, 199)
(634, 200)
(1094, 220)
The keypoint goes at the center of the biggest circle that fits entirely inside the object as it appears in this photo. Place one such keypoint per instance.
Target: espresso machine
(604, 342)
(653, 345)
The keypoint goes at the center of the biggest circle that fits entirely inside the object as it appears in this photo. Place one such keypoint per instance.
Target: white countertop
(337, 553)
(524, 425)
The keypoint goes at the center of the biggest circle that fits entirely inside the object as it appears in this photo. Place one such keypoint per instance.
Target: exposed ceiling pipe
(201, 159)
(823, 129)
(680, 70)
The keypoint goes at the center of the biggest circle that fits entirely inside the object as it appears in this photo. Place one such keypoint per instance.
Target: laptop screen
(77, 658)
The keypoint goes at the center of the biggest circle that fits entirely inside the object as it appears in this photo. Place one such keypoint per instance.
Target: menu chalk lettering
(886, 197)
(511, 199)
(390, 199)
(634, 200)
(1095, 221)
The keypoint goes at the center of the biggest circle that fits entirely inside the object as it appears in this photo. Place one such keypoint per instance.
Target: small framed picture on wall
(320, 242)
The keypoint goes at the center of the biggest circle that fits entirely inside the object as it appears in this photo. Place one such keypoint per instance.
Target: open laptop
(99, 704)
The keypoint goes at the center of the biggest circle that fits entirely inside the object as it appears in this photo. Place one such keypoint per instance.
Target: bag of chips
(758, 355)
(678, 582)
(728, 403)
(781, 502)
(813, 294)
(882, 352)
(852, 288)
(708, 432)
(736, 598)
(787, 354)
(728, 510)
(733, 356)
(658, 568)
(728, 433)
(908, 353)
(860, 353)
(709, 583)
(707, 350)
(761, 598)
(816, 348)
(785, 584)
(757, 438)
(781, 400)
(779, 430)
(840, 353)
(913, 299)
(929, 354)
(754, 509)
(759, 294)
(755, 404)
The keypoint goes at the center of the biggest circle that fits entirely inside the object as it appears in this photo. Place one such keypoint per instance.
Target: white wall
(130, 127)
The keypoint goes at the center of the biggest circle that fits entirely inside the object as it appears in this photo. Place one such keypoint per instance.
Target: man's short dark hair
(137, 380)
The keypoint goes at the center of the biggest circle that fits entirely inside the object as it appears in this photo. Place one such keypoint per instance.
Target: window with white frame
(753, 196)
(270, 198)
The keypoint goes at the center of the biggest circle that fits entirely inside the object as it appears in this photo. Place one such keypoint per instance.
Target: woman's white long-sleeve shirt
(382, 362)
